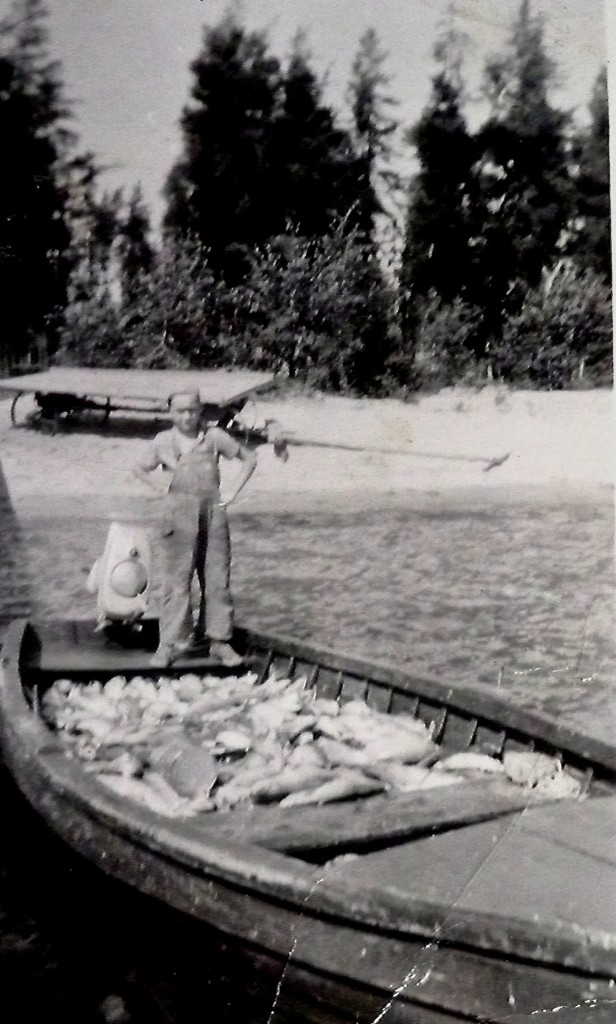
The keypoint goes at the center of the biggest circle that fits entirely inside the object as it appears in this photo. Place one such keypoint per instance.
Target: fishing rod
(273, 434)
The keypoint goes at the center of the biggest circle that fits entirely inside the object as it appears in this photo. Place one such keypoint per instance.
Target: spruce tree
(315, 176)
(136, 254)
(34, 233)
(373, 128)
(591, 245)
(523, 169)
(220, 190)
(438, 254)
(91, 331)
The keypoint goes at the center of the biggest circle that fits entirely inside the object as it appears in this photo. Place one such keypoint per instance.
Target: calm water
(516, 597)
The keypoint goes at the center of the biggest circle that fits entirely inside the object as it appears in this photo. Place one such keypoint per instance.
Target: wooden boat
(466, 903)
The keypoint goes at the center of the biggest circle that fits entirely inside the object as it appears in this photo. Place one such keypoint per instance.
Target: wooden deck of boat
(74, 647)
(553, 863)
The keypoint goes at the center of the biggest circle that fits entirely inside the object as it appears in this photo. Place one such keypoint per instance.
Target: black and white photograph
(307, 452)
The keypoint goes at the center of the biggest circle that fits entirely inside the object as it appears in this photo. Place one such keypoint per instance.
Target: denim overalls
(195, 539)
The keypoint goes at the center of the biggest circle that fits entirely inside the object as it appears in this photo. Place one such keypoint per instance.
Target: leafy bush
(321, 310)
(91, 331)
(562, 334)
(170, 317)
(318, 308)
(446, 343)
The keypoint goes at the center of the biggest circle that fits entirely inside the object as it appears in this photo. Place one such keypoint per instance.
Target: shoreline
(560, 448)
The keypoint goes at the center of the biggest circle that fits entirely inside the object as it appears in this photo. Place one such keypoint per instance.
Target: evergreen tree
(438, 254)
(373, 128)
(439, 221)
(135, 250)
(91, 331)
(524, 174)
(220, 190)
(316, 177)
(591, 244)
(34, 233)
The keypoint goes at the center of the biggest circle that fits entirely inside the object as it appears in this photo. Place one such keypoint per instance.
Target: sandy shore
(559, 446)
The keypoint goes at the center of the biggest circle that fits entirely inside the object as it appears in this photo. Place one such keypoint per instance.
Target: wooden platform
(153, 387)
(74, 648)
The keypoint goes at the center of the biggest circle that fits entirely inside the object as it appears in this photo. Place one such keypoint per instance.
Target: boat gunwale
(281, 878)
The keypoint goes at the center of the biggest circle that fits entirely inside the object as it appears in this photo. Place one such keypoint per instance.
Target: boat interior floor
(555, 863)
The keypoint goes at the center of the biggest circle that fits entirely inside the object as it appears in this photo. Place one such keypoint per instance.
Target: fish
(233, 741)
(99, 728)
(347, 784)
(272, 688)
(95, 704)
(188, 687)
(406, 748)
(339, 754)
(358, 709)
(239, 789)
(64, 686)
(129, 710)
(251, 767)
(293, 727)
(157, 781)
(403, 778)
(267, 717)
(560, 786)
(330, 727)
(324, 706)
(144, 794)
(290, 780)
(436, 779)
(200, 744)
(115, 687)
(527, 768)
(125, 764)
(217, 701)
(305, 756)
(469, 760)
(144, 690)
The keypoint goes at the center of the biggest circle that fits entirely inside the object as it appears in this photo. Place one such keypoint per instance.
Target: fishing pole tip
(498, 461)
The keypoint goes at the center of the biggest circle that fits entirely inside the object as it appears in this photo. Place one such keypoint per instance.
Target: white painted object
(121, 578)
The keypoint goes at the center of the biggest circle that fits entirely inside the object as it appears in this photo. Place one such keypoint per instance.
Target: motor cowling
(121, 577)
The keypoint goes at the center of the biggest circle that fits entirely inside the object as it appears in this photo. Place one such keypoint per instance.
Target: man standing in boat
(195, 532)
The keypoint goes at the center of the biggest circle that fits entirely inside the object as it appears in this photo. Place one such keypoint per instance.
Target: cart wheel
(29, 411)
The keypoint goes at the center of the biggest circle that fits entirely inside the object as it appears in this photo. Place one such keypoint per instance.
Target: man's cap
(193, 394)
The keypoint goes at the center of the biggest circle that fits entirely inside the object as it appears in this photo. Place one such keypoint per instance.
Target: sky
(126, 62)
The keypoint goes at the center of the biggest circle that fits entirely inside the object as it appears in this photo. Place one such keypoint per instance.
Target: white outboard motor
(121, 577)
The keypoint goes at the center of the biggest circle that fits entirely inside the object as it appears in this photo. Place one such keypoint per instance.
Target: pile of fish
(187, 745)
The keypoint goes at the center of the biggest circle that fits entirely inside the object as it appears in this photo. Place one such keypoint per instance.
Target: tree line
(292, 242)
